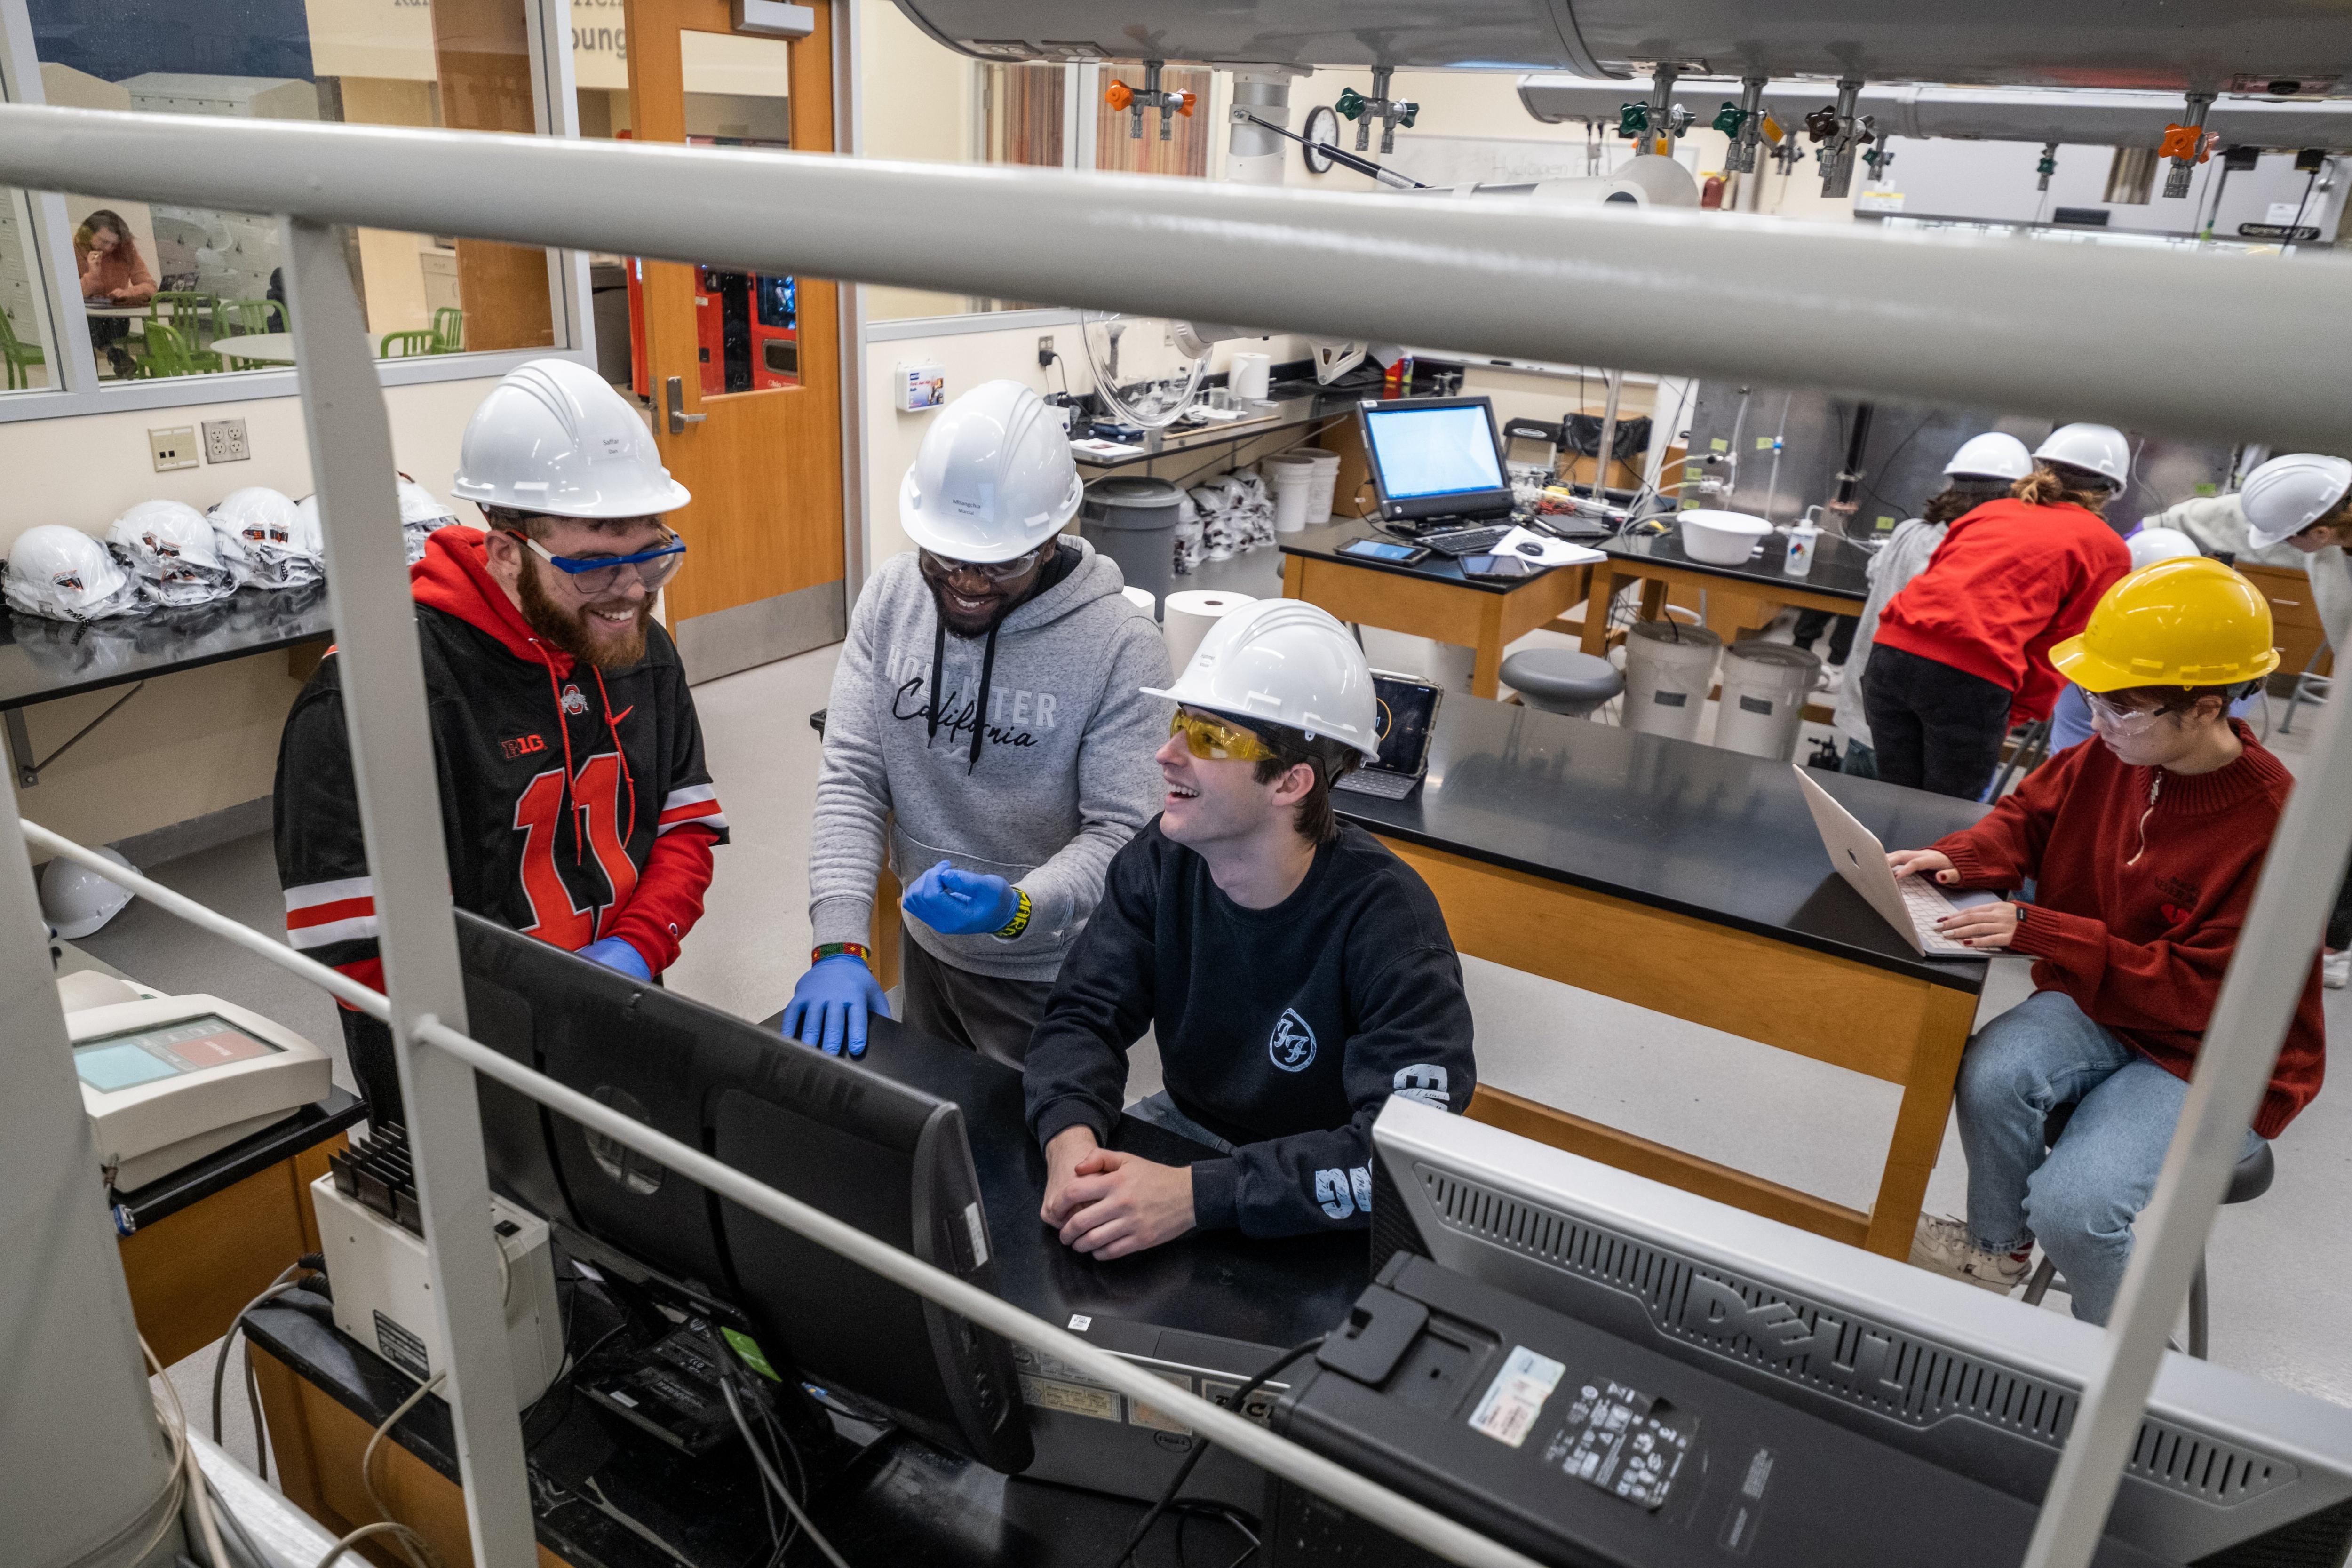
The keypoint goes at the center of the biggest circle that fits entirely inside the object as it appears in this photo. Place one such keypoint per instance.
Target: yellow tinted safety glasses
(1213, 739)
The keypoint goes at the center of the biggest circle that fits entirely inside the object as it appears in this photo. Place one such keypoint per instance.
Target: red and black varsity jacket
(575, 802)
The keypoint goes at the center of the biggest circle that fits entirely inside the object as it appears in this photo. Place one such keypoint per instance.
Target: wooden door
(764, 575)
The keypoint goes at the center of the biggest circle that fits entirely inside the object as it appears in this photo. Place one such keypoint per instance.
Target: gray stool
(2249, 1180)
(1561, 681)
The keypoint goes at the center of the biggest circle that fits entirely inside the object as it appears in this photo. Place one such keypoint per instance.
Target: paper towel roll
(1142, 600)
(1249, 375)
(1189, 616)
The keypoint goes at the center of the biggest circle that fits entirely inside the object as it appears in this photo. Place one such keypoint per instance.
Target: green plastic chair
(449, 329)
(407, 345)
(168, 353)
(249, 318)
(17, 355)
(193, 319)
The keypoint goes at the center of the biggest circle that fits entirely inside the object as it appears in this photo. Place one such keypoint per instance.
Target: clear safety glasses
(994, 571)
(595, 575)
(1213, 739)
(2116, 720)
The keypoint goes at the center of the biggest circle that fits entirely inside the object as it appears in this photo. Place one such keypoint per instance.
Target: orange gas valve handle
(1118, 95)
(1185, 109)
(2187, 143)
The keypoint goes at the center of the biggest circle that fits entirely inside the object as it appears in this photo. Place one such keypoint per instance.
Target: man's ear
(1295, 784)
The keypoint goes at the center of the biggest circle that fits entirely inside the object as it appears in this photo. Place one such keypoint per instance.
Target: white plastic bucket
(1327, 486)
(1764, 688)
(1669, 670)
(1290, 476)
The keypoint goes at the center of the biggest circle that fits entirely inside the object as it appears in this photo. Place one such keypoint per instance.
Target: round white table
(263, 348)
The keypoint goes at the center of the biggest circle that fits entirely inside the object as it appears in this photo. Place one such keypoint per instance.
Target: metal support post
(400, 818)
(2267, 975)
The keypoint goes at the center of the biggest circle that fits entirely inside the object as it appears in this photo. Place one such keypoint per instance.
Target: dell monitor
(2228, 1471)
(1435, 457)
(888, 1159)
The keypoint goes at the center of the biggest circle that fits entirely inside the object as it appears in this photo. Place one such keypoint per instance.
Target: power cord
(768, 1473)
(310, 1262)
(1201, 1446)
(187, 1478)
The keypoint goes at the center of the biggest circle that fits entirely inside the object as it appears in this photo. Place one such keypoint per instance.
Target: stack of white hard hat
(265, 540)
(171, 548)
(422, 514)
(1287, 662)
(2291, 492)
(2098, 449)
(993, 478)
(77, 901)
(67, 576)
(552, 438)
(1995, 455)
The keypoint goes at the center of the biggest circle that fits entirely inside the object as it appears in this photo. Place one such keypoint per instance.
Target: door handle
(678, 417)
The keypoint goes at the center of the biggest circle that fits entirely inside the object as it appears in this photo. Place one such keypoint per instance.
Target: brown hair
(1331, 760)
(2064, 484)
(1956, 500)
(86, 237)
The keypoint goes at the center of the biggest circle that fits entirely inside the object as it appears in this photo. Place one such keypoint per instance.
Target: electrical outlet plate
(225, 441)
(175, 448)
(1045, 351)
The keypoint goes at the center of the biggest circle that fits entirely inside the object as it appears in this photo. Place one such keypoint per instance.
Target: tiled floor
(2281, 1268)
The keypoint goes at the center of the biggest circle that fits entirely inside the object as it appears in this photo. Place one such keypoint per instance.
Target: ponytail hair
(2064, 484)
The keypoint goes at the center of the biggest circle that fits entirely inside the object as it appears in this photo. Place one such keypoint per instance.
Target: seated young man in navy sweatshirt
(1296, 973)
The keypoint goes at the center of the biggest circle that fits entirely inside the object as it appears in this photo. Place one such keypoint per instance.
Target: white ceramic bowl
(1721, 538)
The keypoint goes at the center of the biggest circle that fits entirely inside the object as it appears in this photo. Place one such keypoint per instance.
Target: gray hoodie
(1061, 776)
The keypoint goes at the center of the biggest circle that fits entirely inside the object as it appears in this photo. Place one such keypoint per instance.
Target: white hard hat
(553, 438)
(1995, 455)
(171, 548)
(422, 514)
(2289, 493)
(2098, 449)
(67, 576)
(2150, 545)
(1287, 662)
(993, 478)
(77, 901)
(265, 539)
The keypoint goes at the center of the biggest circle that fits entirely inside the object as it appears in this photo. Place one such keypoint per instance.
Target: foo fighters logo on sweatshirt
(1291, 1047)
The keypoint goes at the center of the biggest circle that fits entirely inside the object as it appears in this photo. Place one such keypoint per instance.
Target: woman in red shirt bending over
(2143, 846)
(1963, 652)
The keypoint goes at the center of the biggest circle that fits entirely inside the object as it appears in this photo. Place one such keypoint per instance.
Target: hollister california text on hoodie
(1028, 758)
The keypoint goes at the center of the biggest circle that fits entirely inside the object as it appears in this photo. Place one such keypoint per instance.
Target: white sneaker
(2335, 969)
(1833, 680)
(1942, 1246)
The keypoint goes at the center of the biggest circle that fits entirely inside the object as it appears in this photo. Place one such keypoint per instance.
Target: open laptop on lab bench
(1408, 716)
(1912, 905)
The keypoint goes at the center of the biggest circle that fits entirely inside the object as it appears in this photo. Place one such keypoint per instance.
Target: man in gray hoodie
(987, 718)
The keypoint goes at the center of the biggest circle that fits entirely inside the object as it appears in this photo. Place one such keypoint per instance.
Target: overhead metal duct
(2212, 45)
(2077, 116)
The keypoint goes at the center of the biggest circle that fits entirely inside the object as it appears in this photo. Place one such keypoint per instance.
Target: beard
(569, 629)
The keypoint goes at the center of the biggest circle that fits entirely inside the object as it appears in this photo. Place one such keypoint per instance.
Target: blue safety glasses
(595, 575)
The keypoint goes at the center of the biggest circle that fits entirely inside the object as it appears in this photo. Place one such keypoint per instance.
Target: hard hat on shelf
(1287, 662)
(2177, 623)
(993, 478)
(169, 546)
(67, 576)
(77, 901)
(554, 438)
(2289, 493)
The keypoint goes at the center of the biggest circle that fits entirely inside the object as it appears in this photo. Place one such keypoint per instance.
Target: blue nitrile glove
(830, 1005)
(617, 953)
(961, 903)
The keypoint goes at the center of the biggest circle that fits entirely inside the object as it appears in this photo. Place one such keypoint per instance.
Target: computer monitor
(2228, 1471)
(1435, 457)
(888, 1159)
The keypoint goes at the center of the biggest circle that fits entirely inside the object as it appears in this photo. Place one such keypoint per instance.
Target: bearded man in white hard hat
(1295, 973)
(575, 805)
(988, 719)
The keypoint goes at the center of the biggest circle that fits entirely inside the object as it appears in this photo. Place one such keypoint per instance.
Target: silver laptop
(1912, 905)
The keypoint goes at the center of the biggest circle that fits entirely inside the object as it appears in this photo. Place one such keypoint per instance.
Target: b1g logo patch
(1291, 1047)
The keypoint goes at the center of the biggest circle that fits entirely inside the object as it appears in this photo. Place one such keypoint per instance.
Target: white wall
(205, 739)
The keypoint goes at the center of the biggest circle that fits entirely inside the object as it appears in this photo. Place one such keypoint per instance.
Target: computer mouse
(1529, 548)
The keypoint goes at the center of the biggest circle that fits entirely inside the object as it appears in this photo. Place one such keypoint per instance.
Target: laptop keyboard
(1927, 905)
(1465, 541)
(1388, 786)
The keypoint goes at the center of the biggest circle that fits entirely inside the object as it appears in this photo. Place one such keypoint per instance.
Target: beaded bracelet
(856, 950)
(1012, 929)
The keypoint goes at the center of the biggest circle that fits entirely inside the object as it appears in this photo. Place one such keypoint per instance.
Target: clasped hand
(961, 903)
(1108, 1205)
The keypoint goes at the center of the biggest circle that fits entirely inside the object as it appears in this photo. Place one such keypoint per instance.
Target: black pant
(1933, 727)
(1809, 624)
(367, 1044)
(978, 1012)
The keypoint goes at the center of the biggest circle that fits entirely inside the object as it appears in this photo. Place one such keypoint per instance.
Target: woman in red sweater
(1963, 652)
(2143, 849)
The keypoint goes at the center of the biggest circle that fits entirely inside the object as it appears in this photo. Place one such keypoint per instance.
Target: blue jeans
(1161, 1113)
(2078, 1198)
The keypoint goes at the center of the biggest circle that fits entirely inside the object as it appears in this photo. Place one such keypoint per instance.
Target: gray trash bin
(1133, 522)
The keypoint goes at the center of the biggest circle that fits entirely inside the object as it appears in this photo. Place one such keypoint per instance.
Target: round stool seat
(1561, 679)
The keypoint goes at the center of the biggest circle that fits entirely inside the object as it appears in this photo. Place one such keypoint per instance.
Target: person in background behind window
(113, 273)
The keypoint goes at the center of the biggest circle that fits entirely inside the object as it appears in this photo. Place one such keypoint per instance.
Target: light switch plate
(175, 448)
(225, 441)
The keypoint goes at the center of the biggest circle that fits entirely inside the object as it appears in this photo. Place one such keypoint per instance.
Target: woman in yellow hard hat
(2143, 849)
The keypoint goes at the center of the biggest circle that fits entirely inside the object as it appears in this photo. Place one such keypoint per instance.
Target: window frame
(77, 389)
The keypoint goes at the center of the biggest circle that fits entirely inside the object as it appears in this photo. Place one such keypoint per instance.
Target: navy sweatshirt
(1281, 1030)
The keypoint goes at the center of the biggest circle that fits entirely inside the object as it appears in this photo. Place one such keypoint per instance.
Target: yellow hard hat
(2191, 622)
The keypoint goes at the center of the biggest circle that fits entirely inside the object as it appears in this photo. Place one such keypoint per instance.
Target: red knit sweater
(2137, 921)
(2009, 580)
